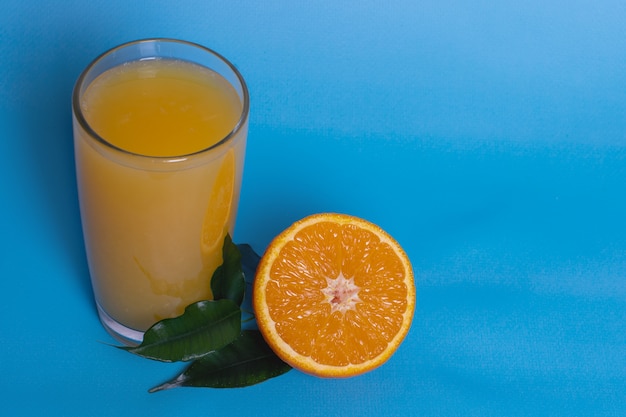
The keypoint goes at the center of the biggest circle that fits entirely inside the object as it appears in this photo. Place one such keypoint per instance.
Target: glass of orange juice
(160, 129)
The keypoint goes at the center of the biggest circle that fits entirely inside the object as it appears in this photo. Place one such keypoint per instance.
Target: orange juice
(158, 193)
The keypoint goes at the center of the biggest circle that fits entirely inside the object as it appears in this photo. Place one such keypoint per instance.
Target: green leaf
(246, 361)
(249, 262)
(228, 280)
(210, 332)
(205, 326)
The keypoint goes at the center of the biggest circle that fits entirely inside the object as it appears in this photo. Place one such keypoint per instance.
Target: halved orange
(334, 295)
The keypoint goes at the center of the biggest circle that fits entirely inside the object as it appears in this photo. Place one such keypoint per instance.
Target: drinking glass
(156, 202)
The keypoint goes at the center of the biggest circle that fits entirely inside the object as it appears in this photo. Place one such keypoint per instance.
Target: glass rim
(80, 118)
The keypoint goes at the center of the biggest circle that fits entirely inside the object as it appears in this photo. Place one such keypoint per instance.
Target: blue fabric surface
(488, 139)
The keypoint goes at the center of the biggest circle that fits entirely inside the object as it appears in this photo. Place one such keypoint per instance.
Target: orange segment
(334, 295)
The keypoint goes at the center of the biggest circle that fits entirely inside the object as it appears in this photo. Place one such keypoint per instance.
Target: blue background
(489, 138)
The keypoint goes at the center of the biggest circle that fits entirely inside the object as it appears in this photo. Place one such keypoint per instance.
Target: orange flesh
(337, 294)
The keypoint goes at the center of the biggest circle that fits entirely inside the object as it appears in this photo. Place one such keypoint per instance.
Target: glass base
(121, 333)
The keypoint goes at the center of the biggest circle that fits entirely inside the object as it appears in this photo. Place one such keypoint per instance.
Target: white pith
(341, 293)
